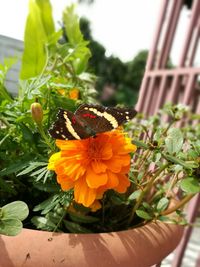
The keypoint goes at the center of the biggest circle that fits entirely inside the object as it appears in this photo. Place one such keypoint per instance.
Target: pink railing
(177, 85)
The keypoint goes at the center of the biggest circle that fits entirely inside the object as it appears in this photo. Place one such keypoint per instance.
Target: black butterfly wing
(66, 127)
(100, 119)
(93, 119)
(122, 115)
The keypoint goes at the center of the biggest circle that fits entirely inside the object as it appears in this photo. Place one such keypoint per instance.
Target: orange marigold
(74, 94)
(93, 165)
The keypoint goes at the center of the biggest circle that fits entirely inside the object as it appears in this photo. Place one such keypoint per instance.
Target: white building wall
(10, 47)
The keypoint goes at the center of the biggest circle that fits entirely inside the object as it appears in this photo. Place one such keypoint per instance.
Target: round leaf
(162, 204)
(174, 140)
(10, 227)
(190, 185)
(16, 209)
(135, 195)
(143, 214)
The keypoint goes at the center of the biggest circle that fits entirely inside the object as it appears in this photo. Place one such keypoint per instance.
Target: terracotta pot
(139, 247)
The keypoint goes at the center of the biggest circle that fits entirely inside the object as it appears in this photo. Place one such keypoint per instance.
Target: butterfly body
(88, 120)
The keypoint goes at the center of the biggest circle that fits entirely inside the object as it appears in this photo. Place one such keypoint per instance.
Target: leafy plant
(166, 164)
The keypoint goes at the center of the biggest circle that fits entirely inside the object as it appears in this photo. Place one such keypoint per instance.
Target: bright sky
(124, 27)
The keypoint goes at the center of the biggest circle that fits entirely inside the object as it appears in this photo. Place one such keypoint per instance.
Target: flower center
(94, 150)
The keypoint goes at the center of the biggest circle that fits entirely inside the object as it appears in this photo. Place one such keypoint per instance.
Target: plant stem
(4, 138)
(141, 162)
(172, 183)
(5, 121)
(144, 192)
(170, 124)
(41, 131)
(179, 205)
(61, 218)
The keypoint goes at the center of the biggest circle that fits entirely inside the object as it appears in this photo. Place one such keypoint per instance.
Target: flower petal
(98, 166)
(124, 183)
(74, 171)
(113, 180)
(95, 180)
(96, 205)
(52, 160)
(84, 194)
(117, 162)
(106, 152)
(65, 182)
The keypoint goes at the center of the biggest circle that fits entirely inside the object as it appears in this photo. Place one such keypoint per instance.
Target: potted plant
(109, 198)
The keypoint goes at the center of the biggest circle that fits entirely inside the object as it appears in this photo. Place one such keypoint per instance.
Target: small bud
(37, 112)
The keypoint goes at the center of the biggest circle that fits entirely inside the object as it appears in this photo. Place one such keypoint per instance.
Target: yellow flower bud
(37, 112)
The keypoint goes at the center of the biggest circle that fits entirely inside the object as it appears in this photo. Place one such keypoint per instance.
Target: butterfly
(89, 120)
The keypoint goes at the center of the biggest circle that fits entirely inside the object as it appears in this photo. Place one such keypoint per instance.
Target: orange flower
(92, 166)
(74, 94)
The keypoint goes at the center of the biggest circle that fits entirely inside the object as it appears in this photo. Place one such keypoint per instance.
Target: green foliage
(162, 204)
(174, 140)
(71, 23)
(46, 17)
(35, 39)
(8, 62)
(11, 216)
(190, 185)
(167, 159)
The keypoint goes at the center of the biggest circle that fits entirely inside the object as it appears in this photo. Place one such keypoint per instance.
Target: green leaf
(48, 204)
(43, 223)
(34, 56)
(27, 133)
(71, 23)
(174, 140)
(162, 204)
(164, 219)
(188, 165)
(10, 227)
(140, 144)
(31, 167)
(53, 39)
(143, 214)
(50, 188)
(81, 218)
(46, 16)
(17, 209)
(75, 227)
(196, 146)
(190, 185)
(135, 195)
(78, 52)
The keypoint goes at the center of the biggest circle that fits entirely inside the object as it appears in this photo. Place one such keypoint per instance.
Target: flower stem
(42, 133)
(179, 205)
